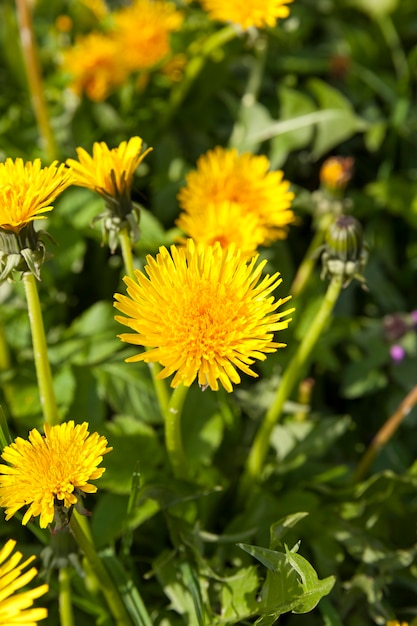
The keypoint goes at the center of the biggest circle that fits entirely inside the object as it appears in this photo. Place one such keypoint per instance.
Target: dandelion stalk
(291, 375)
(385, 433)
(173, 436)
(33, 70)
(126, 247)
(65, 605)
(110, 592)
(40, 351)
(308, 263)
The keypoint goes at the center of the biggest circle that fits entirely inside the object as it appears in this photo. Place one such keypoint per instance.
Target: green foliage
(335, 78)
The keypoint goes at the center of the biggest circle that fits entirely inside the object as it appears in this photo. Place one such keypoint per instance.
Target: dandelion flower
(27, 191)
(96, 65)
(223, 223)
(109, 171)
(15, 607)
(257, 13)
(144, 30)
(202, 312)
(49, 470)
(222, 178)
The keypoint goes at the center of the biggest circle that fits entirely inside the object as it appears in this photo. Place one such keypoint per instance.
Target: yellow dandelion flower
(203, 312)
(395, 622)
(15, 607)
(109, 171)
(144, 30)
(27, 191)
(96, 65)
(223, 176)
(257, 13)
(223, 223)
(49, 470)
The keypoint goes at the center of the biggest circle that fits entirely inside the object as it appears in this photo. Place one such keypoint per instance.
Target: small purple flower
(413, 316)
(397, 353)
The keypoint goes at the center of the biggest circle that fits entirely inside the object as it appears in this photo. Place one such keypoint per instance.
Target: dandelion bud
(345, 253)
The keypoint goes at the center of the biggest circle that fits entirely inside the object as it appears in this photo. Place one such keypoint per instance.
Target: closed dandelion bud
(344, 239)
(344, 253)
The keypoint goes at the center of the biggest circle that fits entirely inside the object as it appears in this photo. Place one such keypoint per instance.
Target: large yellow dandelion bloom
(203, 312)
(49, 470)
(27, 191)
(15, 607)
(222, 178)
(96, 65)
(258, 13)
(109, 171)
(144, 30)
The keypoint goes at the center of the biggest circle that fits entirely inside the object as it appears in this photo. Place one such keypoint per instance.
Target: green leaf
(127, 388)
(280, 528)
(175, 580)
(341, 123)
(293, 104)
(128, 591)
(239, 595)
(291, 584)
(133, 442)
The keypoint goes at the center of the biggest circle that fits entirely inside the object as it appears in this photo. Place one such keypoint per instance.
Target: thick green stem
(173, 436)
(159, 385)
(30, 55)
(110, 592)
(292, 374)
(40, 351)
(65, 605)
(310, 258)
(126, 247)
(385, 433)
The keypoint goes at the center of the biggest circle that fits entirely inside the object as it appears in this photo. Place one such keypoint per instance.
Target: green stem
(110, 592)
(173, 437)
(126, 247)
(291, 375)
(159, 385)
(65, 605)
(196, 64)
(40, 351)
(310, 258)
(33, 70)
(385, 433)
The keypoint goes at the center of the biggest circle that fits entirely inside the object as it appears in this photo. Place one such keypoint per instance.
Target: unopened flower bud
(345, 253)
